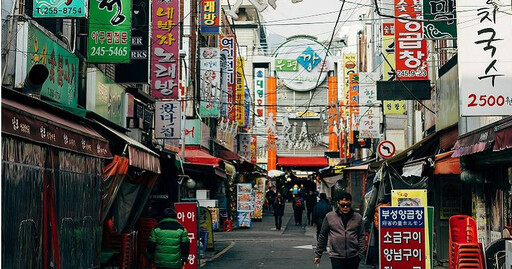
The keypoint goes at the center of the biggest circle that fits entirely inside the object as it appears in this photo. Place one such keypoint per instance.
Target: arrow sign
(386, 149)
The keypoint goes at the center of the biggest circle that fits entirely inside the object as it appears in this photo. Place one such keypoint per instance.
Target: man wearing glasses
(345, 231)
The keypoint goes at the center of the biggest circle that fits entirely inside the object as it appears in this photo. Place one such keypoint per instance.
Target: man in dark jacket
(279, 210)
(298, 208)
(310, 204)
(319, 211)
(168, 245)
(345, 231)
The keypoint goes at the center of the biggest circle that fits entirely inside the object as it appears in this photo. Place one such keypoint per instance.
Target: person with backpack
(298, 208)
(319, 211)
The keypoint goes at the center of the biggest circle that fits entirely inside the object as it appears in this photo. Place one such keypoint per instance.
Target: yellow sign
(338, 169)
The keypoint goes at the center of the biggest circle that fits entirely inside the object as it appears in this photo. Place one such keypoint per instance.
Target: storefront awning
(330, 181)
(228, 155)
(139, 155)
(195, 155)
(37, 121)
(474, 142)
(312, 161)
(359, 167)
(503, 136)
(447, 165)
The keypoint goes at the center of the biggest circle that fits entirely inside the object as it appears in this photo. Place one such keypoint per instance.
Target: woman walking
(279, 210)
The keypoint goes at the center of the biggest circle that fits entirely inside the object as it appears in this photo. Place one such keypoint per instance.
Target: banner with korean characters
(197, 133)
(349, 67)
(353, 103)
(254, 149)
(187, 214)
(484, 57)
(60, 9)
(105, 97)
(223, 84)
(210, 17)
(260, 88)
(110, 25)
(228, 45)
(168, 120)
(165, 48)
(240, 92)
(439, 19)
(35, 47)
(209, 70)
(245, 146)
(402, 237)
(388, 51)
(410, 47)
(369, 119)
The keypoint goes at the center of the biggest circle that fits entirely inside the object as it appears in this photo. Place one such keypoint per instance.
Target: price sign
(187, 216)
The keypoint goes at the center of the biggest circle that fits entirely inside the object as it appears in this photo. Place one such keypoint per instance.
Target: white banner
(484, 57)
(168, 119)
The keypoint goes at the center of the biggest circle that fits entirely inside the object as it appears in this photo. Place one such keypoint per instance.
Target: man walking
(310, 204)
(319, 211)
(168, 245)
(345, 231)
(298, 208)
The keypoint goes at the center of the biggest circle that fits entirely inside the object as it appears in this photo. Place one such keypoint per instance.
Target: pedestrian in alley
(310, 204)
(279, 210)
(344, 230)
(298, 208)
(319, 211)
(271, 196)
(168, 245)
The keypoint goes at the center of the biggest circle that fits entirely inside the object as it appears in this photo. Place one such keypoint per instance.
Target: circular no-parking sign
(386, 149)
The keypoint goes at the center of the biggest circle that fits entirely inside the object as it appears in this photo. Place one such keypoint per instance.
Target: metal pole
(410, 122)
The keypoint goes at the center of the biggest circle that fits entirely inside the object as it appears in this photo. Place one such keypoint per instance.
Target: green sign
(439, 19)
(62, 82)
(60, 9)
(287, 65)
(193, 132)
(105, 97)
(109, 31)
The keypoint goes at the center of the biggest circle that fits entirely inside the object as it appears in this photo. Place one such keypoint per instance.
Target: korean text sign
(62, 83)
(485, 58)
(168, 119)
(165, 48)
(60, 9)
(210, 17)
(210, 91)
(228, 45)
(410, 47)
(402, 237)
(240, 94)
(187, 216)
(110, 25)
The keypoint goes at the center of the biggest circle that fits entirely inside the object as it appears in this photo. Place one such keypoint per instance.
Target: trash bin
(203, 238)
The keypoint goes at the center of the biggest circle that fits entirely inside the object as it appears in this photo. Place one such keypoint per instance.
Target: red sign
(187, 216)
(410, 47)
(402, 237)
(386, 149)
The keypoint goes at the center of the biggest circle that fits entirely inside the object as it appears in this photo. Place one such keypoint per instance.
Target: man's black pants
(297, 213)
(279, 221)
(350, 263)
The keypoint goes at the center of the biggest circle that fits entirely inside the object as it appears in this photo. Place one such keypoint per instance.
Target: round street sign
(386, 149)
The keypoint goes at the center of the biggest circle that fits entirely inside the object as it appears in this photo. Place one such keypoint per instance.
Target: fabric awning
(37, 121)
(195, 155)
(139, 155)
(503, 136)
(359, 167)
(228, 155)
(331, 181)
(310, 161)
(474, 142)
(447, 165)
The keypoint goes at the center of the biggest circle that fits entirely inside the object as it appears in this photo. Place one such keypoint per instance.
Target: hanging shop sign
(402, 237)
(210, 17)
(254, 151)
(439, 19)
(223, 84)
(349, 67)
(260, 88)
(411, 49)
(137, 70)
(245, 146)
(165, 49)
(240, 93)
(247, 108)
(301, 63)
(484, 58)
(60, 9)
(168, 120)
(36, 47)
(396, 107)
(353, 103)
(187, 215)
(197, 133)
(209, 69)
(227, 44)
(109, 31)
(105, 97)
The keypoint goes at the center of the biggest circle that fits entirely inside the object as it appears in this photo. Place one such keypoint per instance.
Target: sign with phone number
(59, 9)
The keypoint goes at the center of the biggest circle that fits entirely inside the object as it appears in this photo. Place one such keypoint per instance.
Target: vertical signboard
(187, 214)
(35, 47)
(105, 97)
(259, 197)
(271, 123)
(369, 120)
(254, 152)
(245, 146)
(484, 57)
(168, 120)
(332, 98)
(439, 19)
(228, 45)
(110, 25)
(223, 84)
(402, 237)
(259, 95)
(349, 67)
(240, 94)
(388, 73)
(247, 107)
(209, 70)
(410, 49)
(210, 17)
(193, 132)
(60, 9)
(244, 204)
(165, 48)
(353, 104)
